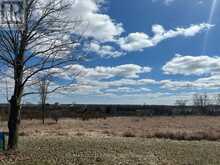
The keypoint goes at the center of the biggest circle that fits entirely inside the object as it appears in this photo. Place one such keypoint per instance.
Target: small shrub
(55, 116)
(211, 136)
(79, 134)
(106, 132)
(22, 134)
(128, 134)
(98, 159)
(62, 134)
(135, 120)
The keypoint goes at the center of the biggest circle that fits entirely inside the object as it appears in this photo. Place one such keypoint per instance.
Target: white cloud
(138, 41)
(192, 65)
(204, 83)
(129, 90)
(102, 80)
(212, 82)
(166, 2)
(175, 85)
(94, 23)
(87, 86)
(99, 27)
(135, 42)
(207, 83)
(101, 72)
(105, 51)
(102, 28)
(169, 2)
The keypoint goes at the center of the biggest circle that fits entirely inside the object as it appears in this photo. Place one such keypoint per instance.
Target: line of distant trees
(201, 102)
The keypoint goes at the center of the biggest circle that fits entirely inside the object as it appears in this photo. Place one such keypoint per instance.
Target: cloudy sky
(145, 51)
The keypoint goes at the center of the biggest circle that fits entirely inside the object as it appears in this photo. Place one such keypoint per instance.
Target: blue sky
(146, 51)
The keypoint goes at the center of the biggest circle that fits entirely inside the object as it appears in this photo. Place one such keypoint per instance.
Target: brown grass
(178, 128)
(51, 150)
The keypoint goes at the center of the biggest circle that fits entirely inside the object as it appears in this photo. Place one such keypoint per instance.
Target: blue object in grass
(2, 141)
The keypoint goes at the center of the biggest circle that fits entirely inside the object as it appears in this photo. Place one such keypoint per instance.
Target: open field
(62, 150)
(118, 141)
(180, 128)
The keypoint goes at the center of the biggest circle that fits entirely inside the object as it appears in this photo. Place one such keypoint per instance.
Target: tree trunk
(14, 122)
(43, 113)
(15, 105)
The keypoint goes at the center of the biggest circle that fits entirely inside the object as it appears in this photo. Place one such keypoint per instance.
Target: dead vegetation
(117, 141)
(177, 128)
(64, 150)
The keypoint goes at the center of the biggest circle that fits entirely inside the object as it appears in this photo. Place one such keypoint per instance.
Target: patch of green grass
(113, 151)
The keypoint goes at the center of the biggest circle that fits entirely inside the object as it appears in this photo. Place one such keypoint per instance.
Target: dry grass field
(179, 128)
(61, 150)
(118, 141)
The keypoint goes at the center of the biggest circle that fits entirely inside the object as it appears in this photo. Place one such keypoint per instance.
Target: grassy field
(113, 151)
(115, 141)
(177, 128)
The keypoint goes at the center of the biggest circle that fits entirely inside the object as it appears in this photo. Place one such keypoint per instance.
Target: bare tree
(43, 91)
(201, 101)
(181, 103)
(37, 41)
(216, 99)
(45, 88)
(46, 85)
(216, 102)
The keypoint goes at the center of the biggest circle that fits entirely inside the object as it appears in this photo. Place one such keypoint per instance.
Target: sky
(144, 52)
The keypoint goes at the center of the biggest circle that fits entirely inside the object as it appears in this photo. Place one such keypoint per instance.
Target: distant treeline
(57, 111)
